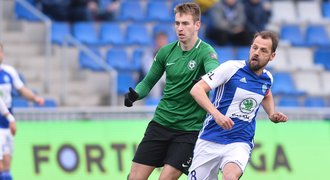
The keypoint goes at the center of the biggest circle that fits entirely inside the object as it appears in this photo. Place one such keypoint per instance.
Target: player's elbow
(195, 90)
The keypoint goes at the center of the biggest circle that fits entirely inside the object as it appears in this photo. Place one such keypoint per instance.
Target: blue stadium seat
(131, 11)
(22, 13)
(137, 34)
(59, 31)
(242, 52)
(225, 53)
(137, 58)
(119, 60)
(87, 33)
(125, 80)
(311, 101)
(293, 34)
(289, 101)
(49, 103)
(86, 62)
(112, 33)
(326, 10)
(151, 101)
(284, 85)
(321, 56)
(158, 11)
(20, 102)
(317, 35)
(167, 28)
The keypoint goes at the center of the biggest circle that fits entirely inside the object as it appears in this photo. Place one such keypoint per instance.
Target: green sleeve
(155, 73)
(210, 59)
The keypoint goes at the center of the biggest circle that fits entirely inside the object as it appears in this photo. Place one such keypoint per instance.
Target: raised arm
(269, 107)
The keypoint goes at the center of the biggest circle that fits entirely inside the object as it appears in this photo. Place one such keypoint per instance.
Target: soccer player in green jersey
(171, 135)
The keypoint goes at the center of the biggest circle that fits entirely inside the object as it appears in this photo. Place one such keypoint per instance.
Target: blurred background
(82, 55)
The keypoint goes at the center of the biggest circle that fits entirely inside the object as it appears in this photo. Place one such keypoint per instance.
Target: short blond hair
(189, 8)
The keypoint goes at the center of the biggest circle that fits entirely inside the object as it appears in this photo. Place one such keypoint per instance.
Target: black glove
(130, 97)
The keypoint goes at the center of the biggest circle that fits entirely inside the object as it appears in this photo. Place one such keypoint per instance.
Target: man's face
(185, 27)
(260, 54)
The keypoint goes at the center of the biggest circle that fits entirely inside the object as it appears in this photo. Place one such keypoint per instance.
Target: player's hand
(130, 97)
(225, 122)
(12, 127)
(278, 117)
(39, 100)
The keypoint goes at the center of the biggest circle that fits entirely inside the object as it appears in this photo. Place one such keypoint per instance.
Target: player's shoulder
(235, 63)
(204, 45)
(8, 68)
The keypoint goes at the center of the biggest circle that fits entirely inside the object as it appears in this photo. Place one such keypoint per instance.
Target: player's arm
(5, 112)
(269, 107)
(199, 93)
(30, 95)
(144, 87)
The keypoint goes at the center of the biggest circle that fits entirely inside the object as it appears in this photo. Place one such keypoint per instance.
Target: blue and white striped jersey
(238, 95)
(9, 80)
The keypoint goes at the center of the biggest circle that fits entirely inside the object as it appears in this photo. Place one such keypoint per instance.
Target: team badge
(264, 88)
(192, 65)
(213, 55)
(248, 105)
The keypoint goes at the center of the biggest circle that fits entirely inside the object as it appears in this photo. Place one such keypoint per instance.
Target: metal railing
(99, 61)
(47, 51)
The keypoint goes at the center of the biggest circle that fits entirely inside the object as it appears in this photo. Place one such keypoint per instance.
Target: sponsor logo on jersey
(192, 65)
(248, 105)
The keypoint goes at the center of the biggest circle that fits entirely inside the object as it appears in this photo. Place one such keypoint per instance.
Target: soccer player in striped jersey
(226, 139)
(9, 80)
(172, 133)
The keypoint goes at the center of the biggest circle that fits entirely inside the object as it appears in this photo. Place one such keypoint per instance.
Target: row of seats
(288, 11)
(313, 35)
(111, 33)
(310, 101)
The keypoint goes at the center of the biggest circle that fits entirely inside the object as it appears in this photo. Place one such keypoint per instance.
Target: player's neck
(189, 44)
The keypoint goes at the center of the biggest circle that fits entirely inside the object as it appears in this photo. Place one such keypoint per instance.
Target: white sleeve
(18, 83)
(3, 108)
(222, 73)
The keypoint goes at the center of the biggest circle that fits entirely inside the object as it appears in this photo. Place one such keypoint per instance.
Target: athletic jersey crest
(192, 64)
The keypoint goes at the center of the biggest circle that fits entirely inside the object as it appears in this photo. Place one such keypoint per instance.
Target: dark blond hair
(189, 8)
(268, 35)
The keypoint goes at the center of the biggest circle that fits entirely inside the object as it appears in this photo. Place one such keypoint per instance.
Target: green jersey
(177, 109)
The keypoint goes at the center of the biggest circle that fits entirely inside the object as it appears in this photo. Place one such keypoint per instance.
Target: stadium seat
(326, 10)
(242, 52)
(325, 76)
(321, 56)
(293, 34)
(87, 33)
(225, 53)
(49, 103)
(167, 28)
(317, 35)
(22, 13)
(309, 82)
(158, 11)
(131, 11)
(301, 58)
(288, 101)
(309, 11)
(112, 33)
(151, 101)
(125, 80)
(281, 61)
(284, 85)
(59, 31)
(283, 12)
(119, 60)
(138, 34)
(86, 62)
(20, 102)
(137, 58)
(312, 101)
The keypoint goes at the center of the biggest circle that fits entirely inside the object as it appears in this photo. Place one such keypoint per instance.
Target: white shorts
(6, 142)
(210, 157)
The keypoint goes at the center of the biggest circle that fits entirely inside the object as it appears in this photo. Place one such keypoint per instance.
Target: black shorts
(162, 145)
